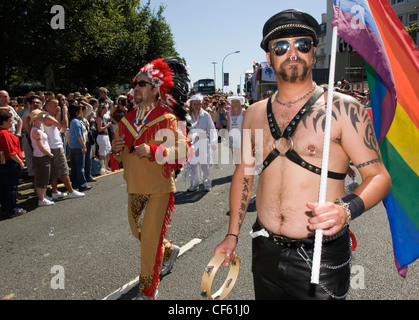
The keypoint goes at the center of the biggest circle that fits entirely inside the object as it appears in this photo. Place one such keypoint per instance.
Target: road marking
(189, 245)
(128, 286)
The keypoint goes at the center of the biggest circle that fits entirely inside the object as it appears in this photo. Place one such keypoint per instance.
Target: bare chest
(302, 132)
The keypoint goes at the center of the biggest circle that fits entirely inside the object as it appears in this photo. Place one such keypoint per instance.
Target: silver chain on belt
(303, 254)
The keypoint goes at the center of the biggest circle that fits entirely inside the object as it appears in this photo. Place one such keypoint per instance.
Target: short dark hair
(30, 99)
(73, 109)
(4, 116)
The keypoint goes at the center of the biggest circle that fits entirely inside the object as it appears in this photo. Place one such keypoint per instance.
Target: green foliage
(413, 27)
(103, 43)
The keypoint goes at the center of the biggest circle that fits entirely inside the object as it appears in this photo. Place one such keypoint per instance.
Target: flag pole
(315, 271)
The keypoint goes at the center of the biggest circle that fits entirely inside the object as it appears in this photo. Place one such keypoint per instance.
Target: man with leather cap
(289, 160)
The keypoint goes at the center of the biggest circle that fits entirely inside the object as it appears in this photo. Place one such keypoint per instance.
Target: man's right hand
(118, 144)
(228, 245)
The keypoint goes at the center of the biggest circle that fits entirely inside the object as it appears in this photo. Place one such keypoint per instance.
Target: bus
(204, 86)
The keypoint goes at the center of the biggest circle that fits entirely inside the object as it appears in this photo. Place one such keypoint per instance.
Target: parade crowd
(42, 136)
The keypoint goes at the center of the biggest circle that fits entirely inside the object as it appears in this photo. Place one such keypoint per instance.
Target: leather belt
(280, 240)
(209, 275)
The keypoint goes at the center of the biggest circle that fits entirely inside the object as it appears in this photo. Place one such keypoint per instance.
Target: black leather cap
(290, 23)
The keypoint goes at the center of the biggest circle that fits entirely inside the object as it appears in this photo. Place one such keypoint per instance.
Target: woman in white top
(41, 156)
(202, 133)
(234, 125)
(103, 141)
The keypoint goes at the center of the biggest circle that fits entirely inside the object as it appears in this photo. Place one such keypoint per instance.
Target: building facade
(349, 64)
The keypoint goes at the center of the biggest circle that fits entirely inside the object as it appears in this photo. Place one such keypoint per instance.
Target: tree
(413, 27)
(103, 42)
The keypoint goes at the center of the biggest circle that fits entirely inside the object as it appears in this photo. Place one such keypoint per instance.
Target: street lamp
(214, 63)
(222, 67)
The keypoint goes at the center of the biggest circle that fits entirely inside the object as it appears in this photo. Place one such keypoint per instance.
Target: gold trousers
(148, 217)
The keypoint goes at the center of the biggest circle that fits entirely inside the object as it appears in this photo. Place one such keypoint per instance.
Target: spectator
(119, 112)
(70, 98)
(103, 97)
(62, 103)
(49, 95)
(94, 104)
(202, 133)
(268, 94)
(77, 96)
(78, 148)
(4, 105)
(11, 165)
(59, 167)
(41, 156)
(33, 103)
(41, 96)
(14, 105)
(222, 120)
(235, 120)
(102, 125)
(92, 120)
(88, 137)
(344, 84)
(21, 105)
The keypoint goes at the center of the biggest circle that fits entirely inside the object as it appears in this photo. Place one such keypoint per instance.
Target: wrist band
(209, 274)
(234, 235)
(355, 204)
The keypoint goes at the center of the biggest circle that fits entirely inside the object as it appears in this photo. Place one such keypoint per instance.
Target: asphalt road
(82, 249)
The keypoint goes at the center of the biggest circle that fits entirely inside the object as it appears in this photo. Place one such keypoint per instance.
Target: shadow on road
(182, 197)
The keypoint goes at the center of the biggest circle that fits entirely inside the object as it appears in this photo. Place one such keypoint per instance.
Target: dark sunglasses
(141, 83)
(303, 45)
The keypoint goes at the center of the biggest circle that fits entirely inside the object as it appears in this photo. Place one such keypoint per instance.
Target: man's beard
(138, 98)
(294, 71)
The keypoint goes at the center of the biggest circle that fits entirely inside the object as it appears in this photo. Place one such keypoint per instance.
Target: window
(413, 17)
(394, 2)
(415, 38)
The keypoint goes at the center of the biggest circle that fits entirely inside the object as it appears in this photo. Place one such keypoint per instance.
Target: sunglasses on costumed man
(303, 45)
(141, 83)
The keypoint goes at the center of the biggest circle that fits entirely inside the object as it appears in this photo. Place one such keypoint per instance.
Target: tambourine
(209, 275)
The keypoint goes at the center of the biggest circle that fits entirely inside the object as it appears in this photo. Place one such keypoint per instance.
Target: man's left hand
(143, 150)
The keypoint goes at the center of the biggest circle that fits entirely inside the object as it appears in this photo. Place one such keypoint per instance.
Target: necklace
(289, 104)
(141, 118)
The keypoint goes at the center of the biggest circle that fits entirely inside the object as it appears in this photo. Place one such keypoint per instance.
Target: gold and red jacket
(170, 148)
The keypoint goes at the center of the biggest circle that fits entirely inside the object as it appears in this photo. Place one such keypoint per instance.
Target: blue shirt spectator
(76, 131)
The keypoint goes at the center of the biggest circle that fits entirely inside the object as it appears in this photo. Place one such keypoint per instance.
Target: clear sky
(207, 30)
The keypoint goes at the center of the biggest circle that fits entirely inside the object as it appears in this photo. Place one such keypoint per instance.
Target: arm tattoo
(243, 201)
(321, 114)
(361, 165)
(360, 115)
(351, 108)
(357, 115)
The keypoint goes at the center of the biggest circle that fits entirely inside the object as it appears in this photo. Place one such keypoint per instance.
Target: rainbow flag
(374, 30)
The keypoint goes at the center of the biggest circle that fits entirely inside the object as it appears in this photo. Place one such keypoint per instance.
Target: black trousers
(280, 268)
(9, 180)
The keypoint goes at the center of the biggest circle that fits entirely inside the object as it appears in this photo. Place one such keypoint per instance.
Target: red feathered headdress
(161, 77)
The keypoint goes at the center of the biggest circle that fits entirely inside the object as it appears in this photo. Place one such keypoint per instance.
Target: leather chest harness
(287, 134)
